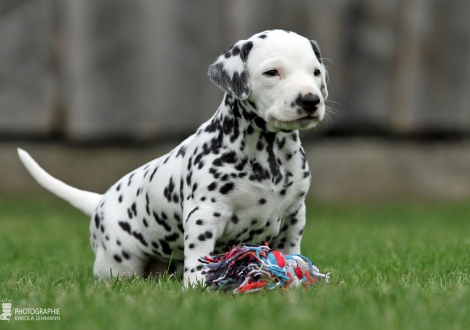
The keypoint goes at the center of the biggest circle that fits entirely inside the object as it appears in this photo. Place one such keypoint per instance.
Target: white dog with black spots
(241, 178)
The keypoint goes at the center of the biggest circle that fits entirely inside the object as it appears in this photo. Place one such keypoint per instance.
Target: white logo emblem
(6, 310)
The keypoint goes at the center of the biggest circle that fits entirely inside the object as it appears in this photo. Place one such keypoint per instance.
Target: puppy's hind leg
(119, 264)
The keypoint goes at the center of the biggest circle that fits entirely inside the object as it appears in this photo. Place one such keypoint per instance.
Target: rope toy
(251, 268)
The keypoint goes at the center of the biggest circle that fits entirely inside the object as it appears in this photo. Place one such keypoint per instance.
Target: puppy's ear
(325, 77)
(316, 50)
(229, 71)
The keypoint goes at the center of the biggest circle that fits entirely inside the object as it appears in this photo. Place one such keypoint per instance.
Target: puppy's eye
(317, 72)
(271, 73)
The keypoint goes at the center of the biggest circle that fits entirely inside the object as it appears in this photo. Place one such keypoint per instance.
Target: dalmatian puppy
(241, 178)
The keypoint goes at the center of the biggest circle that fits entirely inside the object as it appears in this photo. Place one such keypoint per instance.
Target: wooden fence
(91, 70)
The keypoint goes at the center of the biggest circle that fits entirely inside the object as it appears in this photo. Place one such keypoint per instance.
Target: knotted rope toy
(251, 268)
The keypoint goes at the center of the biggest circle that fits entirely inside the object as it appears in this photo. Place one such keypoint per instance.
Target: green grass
(393, 266)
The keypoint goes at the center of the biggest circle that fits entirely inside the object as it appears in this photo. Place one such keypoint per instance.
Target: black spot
(173, 237)
(125, 226)
(126, 255)
(161, 221)
(188, 178)
(199, 222)
(97, 221)
(226, 188)
(200, 267)
(118, 242)
(293, 221)
(147, 204)
(120, 198)
(129, 213)
(153, 173)
(194, 187)
(234, 219)
(144, 221)
(102, 228)
(155, 245)
(177, 217)
(165, 247)
(212, 186)
(181, 151)
(117, 258)
(201, 237)
(241, 164)
(214, 173)
(263, 36)
(130, 179)
(254, 221)
(208, 234)
(140, 237)
(118, 187)
(281, 143)
(191, 246)
(169, 190)
(262, 201)
(217, 214)
(134, 209)
(190, 163)
(259, 173)
(226, 158)
(287, 184)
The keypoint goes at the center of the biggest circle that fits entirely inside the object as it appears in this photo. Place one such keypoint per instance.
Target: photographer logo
(28, 314)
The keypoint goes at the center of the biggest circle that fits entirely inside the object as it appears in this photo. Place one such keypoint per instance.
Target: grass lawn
(393, 266)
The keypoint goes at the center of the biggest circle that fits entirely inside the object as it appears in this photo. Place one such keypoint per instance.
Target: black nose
(309, 102)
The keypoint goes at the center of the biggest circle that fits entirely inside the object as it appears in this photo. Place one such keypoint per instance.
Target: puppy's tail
(85, 201)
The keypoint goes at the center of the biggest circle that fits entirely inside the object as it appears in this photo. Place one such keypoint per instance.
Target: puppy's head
(282, 76)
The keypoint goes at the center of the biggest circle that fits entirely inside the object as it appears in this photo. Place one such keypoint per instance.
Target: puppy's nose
(309, 102)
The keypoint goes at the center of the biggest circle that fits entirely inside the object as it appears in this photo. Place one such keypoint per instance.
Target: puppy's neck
(236, 126)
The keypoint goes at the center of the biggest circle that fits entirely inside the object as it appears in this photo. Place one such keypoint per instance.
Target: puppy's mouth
(307, 120)
(304, 122)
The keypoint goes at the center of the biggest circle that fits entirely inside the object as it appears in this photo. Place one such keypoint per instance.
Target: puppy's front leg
(202, 227)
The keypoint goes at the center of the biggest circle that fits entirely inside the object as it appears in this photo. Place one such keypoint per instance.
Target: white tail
(85, 201)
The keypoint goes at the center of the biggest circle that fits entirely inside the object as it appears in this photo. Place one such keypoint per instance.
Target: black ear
(229, 71)
(326, 77)
(316, 50)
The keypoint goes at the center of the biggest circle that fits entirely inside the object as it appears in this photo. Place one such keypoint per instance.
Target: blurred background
(94, 88)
